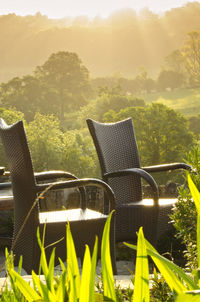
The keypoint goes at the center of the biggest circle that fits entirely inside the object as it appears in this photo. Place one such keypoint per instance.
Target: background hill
(185, 101)
(122, 43)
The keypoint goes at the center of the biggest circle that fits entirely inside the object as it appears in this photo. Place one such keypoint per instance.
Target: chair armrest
(5, 185)
(47, 175)
(140, 173)
(2, 170)
(81, 183)
(167, 167)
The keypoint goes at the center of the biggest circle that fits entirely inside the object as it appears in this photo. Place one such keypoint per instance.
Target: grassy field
(186, 101)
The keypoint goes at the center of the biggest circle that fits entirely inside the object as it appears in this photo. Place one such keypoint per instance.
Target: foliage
(170, 79)
(160, 291)
(46, 142)
(194, 124)
(191, 53)
(185, 101)
(60, 85)
(23, 93)
(10, 116)
(185, 288)
(107, 45)
(109, 99)
(13, 294)
(162, 133)
(69, 286)
(184, 212)
(115, 102)
(79, 156)
(175, 61)
(65, 73)
(54, 149)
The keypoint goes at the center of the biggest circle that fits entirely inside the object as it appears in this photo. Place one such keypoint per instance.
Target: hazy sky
(91, 8)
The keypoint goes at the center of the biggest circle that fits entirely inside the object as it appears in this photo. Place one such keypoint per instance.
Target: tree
(162, 134)
(65, 73)
(79, 156)
(175, 61)
(24, 93)
(144, 82)
(191, 53)
(170, 79)
(46, 142)
(53, 149)
(10, 116)
(194, 124)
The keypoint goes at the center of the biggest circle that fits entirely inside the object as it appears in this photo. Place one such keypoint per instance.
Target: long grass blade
(141, 284)
(196, 197)
(85, 277)
(29, 293)
(107, 272)
(37, 285)
(93, 272)
(170, 271)
(72, 268)
(189, 297)
(50, 276)
(43, 260)
(61, 294)
(43, 289)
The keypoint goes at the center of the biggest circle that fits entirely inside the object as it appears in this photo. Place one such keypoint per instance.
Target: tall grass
(69, 286)
(73, 287)
(186, 288)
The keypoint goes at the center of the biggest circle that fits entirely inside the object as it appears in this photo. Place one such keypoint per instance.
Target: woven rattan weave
(119, 159)
(85, 224)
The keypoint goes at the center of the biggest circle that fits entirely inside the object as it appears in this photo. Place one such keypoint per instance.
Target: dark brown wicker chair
(120, 166)
(85, 223)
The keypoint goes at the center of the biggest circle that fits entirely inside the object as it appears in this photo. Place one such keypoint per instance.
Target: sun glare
(89, 8)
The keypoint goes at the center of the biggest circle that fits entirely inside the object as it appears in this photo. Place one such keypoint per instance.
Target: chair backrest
(22, 177)
(117, 149)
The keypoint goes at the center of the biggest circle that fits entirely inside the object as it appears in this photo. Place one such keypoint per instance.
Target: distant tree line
(123, 42)
(181, 69)
(55, 101)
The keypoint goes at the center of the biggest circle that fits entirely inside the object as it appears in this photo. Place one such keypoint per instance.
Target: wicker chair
(85, 223)
(120, 166)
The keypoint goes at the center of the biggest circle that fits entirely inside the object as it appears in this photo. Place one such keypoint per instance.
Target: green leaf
(43, 289)
(50, 276)
(195, 193)
(20, 265)
(37, 284)
(99, 297)
(170, 271)
(62, 265)
(196, 196)
(43, 260)
(72, 268)
(107, 272)
(29, 293)
(191, 296)
(85, 278)
(93, 272)
(61, 290)
(141, 284)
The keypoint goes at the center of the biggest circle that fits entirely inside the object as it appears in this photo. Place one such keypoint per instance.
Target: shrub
(184, 212)
(69, 286)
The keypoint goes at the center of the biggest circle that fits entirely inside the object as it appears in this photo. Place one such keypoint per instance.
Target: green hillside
(186, 101)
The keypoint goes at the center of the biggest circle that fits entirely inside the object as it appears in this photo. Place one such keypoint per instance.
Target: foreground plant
(72, 287)
(69, 286)
(184, 287)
